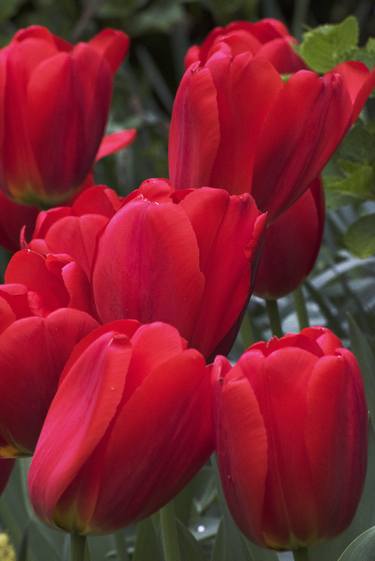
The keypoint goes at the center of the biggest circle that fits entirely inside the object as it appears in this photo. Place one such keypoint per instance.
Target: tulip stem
(169, 535)
(77, 547)
(301, 308)
(301, 554)
(274, 317)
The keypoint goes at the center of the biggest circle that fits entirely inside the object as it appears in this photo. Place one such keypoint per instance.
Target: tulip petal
(191, 154)
(359, 82)
(242, 454)
(147, 267)
(280, 383)
(81, 412)
(154, 463)
(115, 142)
(231, 227)
(29, 378)
(246, 90)
(335, 434)
(77, 236)
(113, 45)
(68, 100)
(290, 158)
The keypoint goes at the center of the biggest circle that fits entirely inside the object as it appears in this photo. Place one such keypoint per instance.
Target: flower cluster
(124, 308)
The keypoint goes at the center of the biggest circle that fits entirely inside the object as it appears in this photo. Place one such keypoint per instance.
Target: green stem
(247, 331)
(77, 547)
(274, 317)
(121, 548)
(301, 554)
(301, 308)
(301, 8)
(169, 535)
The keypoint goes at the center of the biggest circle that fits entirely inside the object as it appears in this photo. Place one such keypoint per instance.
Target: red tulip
(55, 100)
(33, 352)
(236, 124)
(130, 424)
(186, 258)
(292, 438)
(267, 38)
(291, 245)
(6, 467)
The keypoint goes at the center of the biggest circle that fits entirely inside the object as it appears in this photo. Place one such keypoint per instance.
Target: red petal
(242, 454)
(115, 142)
(359, 82)
(308, 121)
(155, 464)
(81, 412)
(77, 236)
(224, 226)
(113, 45)
(246, 89)
(29, 378)
(194, 134)
(336, 441)
(165, 284)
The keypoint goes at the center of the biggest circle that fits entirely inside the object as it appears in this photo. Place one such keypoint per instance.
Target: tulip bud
(291, 245)
(55, 101)
(131, 423)
(291, 434)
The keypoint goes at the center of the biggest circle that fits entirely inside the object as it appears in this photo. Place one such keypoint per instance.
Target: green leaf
(8, 8)
(362, 548)
(366, 358)
(360, 237)
(357, 181)
(326, 46)
(189, 546)
(147, 544)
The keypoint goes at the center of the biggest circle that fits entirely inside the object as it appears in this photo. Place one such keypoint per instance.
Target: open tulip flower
(33, 352)
(55, 100)
(293, 473)
(133, 418)
(186, 258)
(291, 245)
(240, 125)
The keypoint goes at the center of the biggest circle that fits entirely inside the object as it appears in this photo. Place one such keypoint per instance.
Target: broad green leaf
(366, 359)
(189, 546)
(325, 46)
(357, 180)
(362, 548)
(360, 237)
(147, 543)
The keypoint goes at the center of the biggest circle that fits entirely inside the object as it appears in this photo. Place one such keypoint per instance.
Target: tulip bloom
(33, 352)
(238, 125)
(130, 424)
(291, 422)
(267, 38)
(54, 106)
(186, 258)
(291, 245)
